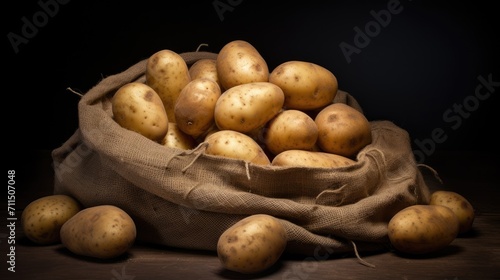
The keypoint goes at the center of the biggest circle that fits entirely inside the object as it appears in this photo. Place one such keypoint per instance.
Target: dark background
(425, 61)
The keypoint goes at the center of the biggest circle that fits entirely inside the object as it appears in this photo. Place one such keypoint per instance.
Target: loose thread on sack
(247, 169)
(201, 45)
(363, 262)
(433, 171)
(74, 91)
(188, 152)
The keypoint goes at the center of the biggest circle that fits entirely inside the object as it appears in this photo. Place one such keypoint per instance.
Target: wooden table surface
(475, 255)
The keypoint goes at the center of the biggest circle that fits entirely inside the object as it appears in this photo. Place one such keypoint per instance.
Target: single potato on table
(167, 73)
(307, 86)
(239, 62)
(252, 245)
(137, 107)
(343, 130)
(423, 229)
(103, 232)
(43, 218)
(458, 204)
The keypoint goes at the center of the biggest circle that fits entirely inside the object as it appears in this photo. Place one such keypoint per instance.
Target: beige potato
(306, 85)
(302, 158)
(233, 144)
(103, 232)
(137, 107)
(167, 73)
(343, 130)
(247, 107)
(252, 245)
(43, 218)
(176, 138)
(205, 68)
(290, 130)
(239, 62)
(422, 229)
(195, 106)
(458, 204)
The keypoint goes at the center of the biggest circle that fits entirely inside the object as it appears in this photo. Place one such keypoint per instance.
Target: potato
(252, 245)
(458, 204)
(43, 218)
(422, 229)
(234, 144)
(239, 62)
(137, 107)
(343, 130)
(195, 106)
(103, 232)
(167, 73)
(302, 158)
(176, 138)
(204, 68)
(306, 85)
(290, 130)
(247, 107)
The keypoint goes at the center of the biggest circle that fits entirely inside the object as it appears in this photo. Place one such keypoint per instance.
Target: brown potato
(247, 107)
(195, 106)
(252, 245)
(43, 218)
(167, 73)
(234, 144)
(303, 158)
(343, 130)
(290, 130)
(176, 138)
(422, 229)
(204, 68)
(239, 62)
(103, 231)
(458, 204)
(137, 107)
(307, 86)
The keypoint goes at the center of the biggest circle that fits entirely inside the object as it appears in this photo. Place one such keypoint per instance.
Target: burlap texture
(186, 199)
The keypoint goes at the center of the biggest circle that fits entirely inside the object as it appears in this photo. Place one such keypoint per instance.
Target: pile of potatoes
(243, 110)
(102, 231)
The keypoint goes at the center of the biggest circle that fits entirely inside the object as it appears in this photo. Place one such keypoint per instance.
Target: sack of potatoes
(204, 149)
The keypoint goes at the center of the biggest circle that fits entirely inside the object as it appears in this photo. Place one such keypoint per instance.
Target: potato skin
(252, 245)
(43, 218)
(204, 68)
(422, 229)
(176, 138)
(137, 107)
(195, 106)
(167, 73)
(247, 107)
(239, 62)
(234, 144)
(103, 232)
(290, 130)
(302, 158)
(343, 130)
(307, 86)
(458, 204)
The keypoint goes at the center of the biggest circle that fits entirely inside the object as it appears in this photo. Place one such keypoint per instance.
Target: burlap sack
(186, 199)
